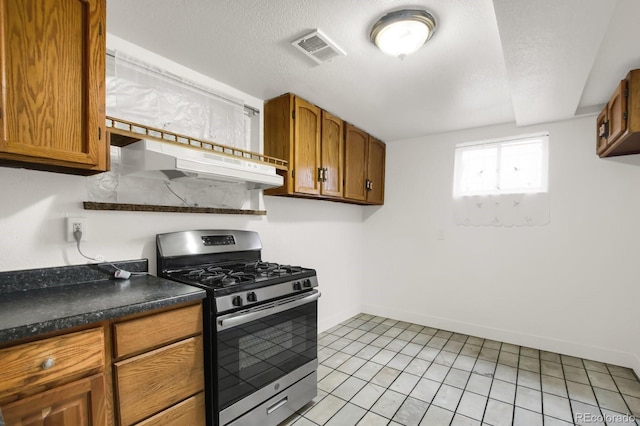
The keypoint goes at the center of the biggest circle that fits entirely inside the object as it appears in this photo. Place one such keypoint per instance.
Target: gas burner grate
(269, 269)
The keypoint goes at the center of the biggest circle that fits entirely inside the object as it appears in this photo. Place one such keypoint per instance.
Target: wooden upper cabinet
(328, 158)
(52, 103)
(306, 150)
(332, 155)
(311, 140)
(355, 163)
(616, 113)
(618, 125)
(375, 171)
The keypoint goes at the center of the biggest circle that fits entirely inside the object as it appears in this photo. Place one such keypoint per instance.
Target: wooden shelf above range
(123, 132)
(91, 205)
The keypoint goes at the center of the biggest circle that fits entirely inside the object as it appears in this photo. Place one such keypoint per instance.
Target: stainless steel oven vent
(318, 47)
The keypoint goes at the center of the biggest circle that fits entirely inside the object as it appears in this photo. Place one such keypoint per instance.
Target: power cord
(119, 273)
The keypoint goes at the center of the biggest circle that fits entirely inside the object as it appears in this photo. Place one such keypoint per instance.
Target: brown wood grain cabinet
(618, 125)
(143, 369)
(59, 380)
(158, 367)
(81, 403)
(292, 131)
(364, 166)
(52, 103)
(314, 142)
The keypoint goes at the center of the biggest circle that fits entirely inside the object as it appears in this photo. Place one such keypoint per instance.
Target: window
(517, 165)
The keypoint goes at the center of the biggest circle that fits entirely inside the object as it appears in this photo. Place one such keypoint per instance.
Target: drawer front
(189, 412)
(154, 381)
(44, 361)
(140, 334)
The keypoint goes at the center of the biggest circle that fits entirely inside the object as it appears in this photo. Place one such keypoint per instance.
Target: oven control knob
(297, 286)
(251, 297)
(307, 283)
(237, 301)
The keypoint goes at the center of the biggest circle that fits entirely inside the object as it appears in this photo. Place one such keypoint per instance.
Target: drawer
(140, 334)
(152, 382)
(44, 361)
(189, 412)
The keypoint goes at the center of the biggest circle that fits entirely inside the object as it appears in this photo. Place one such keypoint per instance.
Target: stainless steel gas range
(260, 324)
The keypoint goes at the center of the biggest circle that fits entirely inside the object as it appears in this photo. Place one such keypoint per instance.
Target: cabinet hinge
(625, 115)
(100, 28)
(626, 92)
(99, 133)
(293, 114)
(293, 174)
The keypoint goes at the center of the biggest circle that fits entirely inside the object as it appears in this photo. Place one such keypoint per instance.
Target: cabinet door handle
(48, 363)
(604, 130)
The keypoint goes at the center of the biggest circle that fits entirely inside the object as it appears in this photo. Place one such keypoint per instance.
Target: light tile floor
(379, 371)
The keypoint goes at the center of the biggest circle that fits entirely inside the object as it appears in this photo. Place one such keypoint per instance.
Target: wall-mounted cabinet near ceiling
(364, 167)
(618, 125)
(325, 160)
(53, 70)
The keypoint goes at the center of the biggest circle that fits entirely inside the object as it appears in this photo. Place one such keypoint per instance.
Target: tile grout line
(440, 350)
(369, 360)
(618, 388)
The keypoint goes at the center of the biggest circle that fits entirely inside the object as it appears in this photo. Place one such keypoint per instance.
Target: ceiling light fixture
(403, 32)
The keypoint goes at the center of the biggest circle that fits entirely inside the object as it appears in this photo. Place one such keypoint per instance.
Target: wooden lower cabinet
(81, 403)
(144, 369)
(158, 368)
(188, 412)
(155, 381)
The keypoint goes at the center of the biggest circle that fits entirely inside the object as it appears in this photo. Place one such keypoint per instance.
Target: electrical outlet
(76, 223)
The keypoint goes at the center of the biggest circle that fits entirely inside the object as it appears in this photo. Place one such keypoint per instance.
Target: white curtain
(502, 210)
(145, 94)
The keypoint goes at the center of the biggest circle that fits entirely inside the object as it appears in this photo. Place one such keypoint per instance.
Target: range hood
(172, 162)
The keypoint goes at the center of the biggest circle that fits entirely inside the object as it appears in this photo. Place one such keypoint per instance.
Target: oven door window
(256, 353)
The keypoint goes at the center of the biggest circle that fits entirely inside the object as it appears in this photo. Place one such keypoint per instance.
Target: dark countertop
(44, 302)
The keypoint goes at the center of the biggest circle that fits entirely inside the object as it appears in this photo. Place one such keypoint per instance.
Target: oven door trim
(226, 322)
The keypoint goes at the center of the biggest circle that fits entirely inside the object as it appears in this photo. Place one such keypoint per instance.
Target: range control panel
(218, 240)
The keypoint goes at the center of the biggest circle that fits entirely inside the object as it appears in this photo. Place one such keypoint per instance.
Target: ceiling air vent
(318, 47)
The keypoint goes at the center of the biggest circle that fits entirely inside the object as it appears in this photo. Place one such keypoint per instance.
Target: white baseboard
(636, 366)
(580, 350)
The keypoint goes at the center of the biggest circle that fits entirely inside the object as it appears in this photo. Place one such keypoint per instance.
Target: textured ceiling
(489, 61)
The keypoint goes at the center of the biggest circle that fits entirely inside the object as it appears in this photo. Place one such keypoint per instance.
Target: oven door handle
(233, 320)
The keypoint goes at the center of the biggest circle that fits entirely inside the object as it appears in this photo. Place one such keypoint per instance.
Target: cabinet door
(602, 131)
(306, 148)
(332, 154)
(375, 171)
(616, 109)
(77, 404)
(53, 70)
(356, 143)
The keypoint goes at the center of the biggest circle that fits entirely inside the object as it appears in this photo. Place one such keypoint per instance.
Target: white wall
(571, 286)
(316, 234)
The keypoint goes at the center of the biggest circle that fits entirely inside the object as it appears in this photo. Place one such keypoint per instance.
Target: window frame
(499, 144)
